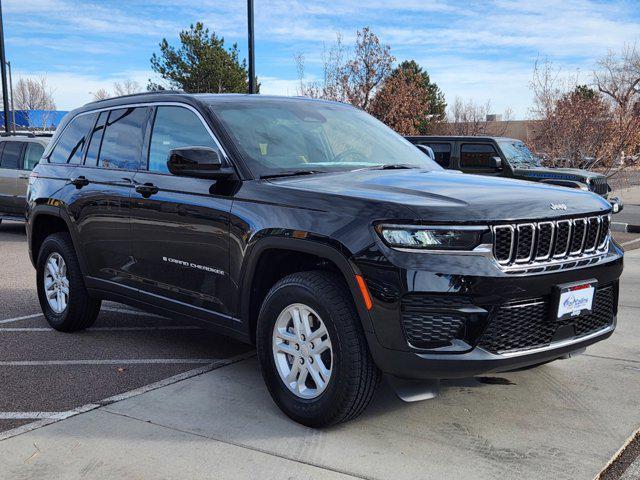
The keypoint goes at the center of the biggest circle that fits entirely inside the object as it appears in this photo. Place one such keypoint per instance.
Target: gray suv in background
(18, 155)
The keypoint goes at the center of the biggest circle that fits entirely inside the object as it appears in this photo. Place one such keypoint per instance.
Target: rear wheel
(61, 291)
(312, 350)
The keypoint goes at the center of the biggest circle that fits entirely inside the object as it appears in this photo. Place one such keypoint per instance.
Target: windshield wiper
(392, 166)
(294, 173)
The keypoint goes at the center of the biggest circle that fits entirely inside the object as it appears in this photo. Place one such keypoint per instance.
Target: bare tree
(127, 87)
(101, 94)
(333, 82)
(351, 77)
(581, 126)
(33, 94)
(467, 117)
(371, 65)
(618, 80)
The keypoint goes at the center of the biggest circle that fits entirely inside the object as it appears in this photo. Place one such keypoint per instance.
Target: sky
(484, 50)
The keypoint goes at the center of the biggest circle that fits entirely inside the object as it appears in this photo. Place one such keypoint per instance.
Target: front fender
(319, 246)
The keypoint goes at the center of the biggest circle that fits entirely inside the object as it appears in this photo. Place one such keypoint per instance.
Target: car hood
(450, 196)
(559, 173)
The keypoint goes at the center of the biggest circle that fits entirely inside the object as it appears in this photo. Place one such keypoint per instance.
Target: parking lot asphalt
(46, 373)
(204, 418)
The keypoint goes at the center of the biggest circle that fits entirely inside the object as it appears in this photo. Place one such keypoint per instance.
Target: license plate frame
(581, 293)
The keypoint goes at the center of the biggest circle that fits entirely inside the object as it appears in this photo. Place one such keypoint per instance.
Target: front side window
(11, 155)
(442, 151)
(32, 155)
(71, 143)
(477, 156)
(175, 127)
(123, 138)
(277, 136)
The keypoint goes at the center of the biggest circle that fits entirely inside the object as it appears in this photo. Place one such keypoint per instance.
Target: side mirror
(198, 162)
(495, 162)
(428, 151)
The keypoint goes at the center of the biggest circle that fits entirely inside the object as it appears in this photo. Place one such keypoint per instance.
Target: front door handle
(147, 189)
(79, 182)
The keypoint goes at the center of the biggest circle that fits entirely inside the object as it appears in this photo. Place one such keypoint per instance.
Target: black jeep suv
(312, 230)
(511, 158)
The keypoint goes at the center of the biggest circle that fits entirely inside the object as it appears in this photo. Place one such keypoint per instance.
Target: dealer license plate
(575, 299)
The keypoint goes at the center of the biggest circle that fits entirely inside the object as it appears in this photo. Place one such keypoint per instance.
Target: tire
(80, 310)
(353, 375)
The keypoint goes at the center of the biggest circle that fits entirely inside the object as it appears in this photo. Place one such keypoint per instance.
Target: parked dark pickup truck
(509, 157)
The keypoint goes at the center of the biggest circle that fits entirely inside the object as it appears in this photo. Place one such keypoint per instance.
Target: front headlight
(431, 237)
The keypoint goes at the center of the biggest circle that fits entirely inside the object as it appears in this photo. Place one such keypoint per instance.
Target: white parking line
(106, 309)
(15, 319)
(132, 393)
(30, 415)
(130, 361)
(105, 329)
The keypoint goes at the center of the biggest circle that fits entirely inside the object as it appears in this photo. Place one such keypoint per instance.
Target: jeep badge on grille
(558, 206)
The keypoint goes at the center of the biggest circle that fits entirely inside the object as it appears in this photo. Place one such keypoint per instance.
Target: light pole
(252, 60)
(13, 110)
(3, 72)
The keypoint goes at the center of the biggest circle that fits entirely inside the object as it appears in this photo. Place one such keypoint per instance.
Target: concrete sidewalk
(563, 420)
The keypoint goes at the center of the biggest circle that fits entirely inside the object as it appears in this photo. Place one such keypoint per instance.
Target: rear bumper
(411, 365)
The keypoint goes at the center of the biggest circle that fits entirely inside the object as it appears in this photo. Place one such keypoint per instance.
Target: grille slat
(524, 249)
(534, 245)
(529, 324)
(579, 233)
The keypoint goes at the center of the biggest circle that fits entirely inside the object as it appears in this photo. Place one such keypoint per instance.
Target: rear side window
(95, 140)
(175, 127)
(11, 155)
(32, 155)
(442, 152)
(477, 156)
(123, 138)
(71, 144)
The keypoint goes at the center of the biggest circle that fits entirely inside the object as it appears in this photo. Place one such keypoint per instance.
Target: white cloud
(74, 90)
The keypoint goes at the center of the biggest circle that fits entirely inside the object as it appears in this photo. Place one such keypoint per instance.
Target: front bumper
(413, 365)
(393, 278)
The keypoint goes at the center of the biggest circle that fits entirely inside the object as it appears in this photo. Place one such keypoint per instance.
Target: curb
(625, 227)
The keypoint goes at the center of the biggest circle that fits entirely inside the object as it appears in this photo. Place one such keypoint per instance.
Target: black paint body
(228, 225)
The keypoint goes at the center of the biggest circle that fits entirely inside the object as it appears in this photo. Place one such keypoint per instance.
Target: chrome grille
(530, 245)
(599, 186)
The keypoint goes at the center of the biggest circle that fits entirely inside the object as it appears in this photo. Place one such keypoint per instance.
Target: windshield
(518, 155)
(280, 136)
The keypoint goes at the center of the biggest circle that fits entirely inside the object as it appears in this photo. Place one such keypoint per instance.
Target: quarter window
(70, 146)
(11, 155)
(477, 156)
(32, 155)
(123, 138)
(175, 127)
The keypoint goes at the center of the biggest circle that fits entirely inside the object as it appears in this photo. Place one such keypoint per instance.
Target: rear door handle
(147, 189)
(79, 182)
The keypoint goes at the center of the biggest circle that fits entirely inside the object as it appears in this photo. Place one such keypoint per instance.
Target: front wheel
(61, 291)
(312, 350)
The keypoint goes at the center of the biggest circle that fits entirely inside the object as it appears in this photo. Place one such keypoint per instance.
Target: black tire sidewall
(311, 412)
(58, 243)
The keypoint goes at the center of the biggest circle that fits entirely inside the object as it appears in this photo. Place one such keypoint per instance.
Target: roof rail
(17, 134)
(137, 95)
